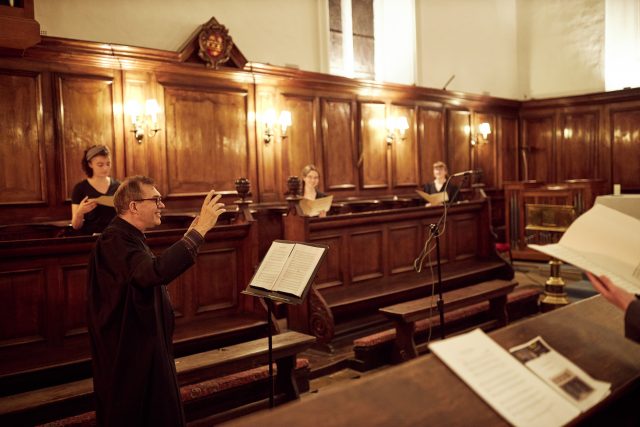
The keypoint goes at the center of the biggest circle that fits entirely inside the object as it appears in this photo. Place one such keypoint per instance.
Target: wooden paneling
(299, 148)
(404, 157)
(577, 147)
(404, 246)
(22, 306)
(507, 138)
(374, 171)
(367, 264)
(271, 176)
(207, 143)
(22, 140)
(43, 294)
(431, 141)
(336, 260)
(339, 145)
(537, 143)
(458, 146)
(485, 152)
(85, 118)
(74, 282)
(625, 137)
(465, 235)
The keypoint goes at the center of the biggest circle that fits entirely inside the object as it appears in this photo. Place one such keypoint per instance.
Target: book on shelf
(434, 199)
(603, 241)
(529, 385)
(287, 271)
(314, 207)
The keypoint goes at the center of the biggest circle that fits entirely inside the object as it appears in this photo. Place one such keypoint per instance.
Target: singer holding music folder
(440, 175)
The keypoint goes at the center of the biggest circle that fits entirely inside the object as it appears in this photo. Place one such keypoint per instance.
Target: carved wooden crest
(215, 44)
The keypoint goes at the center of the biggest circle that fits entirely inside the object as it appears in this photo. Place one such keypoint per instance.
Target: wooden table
(425, 392)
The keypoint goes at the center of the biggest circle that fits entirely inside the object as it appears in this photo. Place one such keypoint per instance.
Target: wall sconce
(269, 118)
(139, 120)
(396, 129)
(481, 136)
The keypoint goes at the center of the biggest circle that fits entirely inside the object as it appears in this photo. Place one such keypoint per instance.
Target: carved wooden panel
(509, 159)
(485, 152)
(298, 149)
(85, 118)
(537, 144)
(207, 143)
(625, 137)
(271, 178)
(22, 306)
(373, 150)
(145, 157)
(404, 247)
(458, 146)
(74, 284)
(366, 246)
(577, 149)
(330, 271)
(218, 268)
(22, 142)
(431, 141)
(464, 233)
(339, 146)
(405, 151)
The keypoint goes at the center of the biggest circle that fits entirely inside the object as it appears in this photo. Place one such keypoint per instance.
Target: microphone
(465, 173)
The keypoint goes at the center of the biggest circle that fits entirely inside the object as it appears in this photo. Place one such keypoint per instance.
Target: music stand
(269, 296)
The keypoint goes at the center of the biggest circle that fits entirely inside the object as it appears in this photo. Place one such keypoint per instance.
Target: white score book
(287, 268)
(512, 389)
(602, 241)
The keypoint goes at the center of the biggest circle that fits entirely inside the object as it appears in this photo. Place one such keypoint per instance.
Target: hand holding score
(209, 213)
(87, 205)
(612, 293)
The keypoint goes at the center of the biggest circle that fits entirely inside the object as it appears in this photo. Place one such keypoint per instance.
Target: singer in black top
(440, 174)
(87, 216)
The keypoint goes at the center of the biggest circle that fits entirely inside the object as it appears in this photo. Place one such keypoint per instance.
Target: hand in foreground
(86, 205)
(614, 294)
(209, 214)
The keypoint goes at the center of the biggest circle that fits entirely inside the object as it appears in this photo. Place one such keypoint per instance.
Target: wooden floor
(331, 369)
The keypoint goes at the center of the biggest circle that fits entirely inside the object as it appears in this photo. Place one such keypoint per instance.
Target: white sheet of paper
(272, 265)
(602, 241)
(503, 382)
(298, 269)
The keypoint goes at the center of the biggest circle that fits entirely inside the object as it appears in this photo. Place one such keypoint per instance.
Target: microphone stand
(462, 184)
(435, 233)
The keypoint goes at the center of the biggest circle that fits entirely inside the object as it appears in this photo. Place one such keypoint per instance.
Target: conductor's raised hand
(209, 213)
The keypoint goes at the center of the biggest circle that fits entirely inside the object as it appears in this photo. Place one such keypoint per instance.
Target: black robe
(131, 323)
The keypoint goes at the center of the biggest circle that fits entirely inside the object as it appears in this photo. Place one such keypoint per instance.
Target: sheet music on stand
(287, 271)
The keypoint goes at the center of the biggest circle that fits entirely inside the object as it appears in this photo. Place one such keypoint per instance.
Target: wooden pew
(405, 315)
(202, 377)
(370, 263)
(43, 290)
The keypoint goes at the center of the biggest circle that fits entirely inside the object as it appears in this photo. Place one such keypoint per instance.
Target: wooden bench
(405, 315)
(200, 376)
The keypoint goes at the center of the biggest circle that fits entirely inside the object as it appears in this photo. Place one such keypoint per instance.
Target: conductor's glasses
(156, 199)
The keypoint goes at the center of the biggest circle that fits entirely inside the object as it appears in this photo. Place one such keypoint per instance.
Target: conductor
(129, 314)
